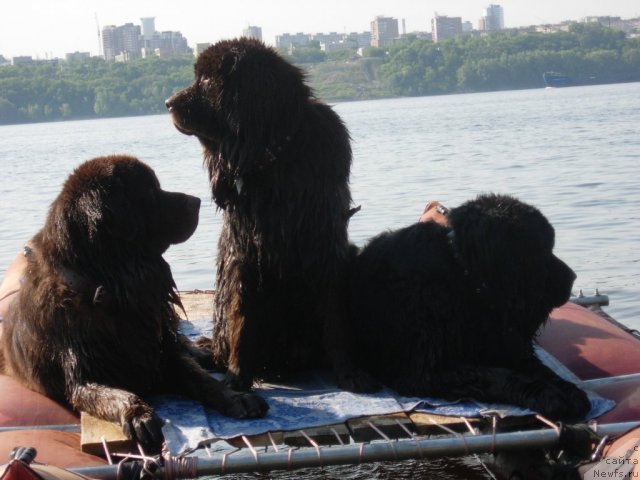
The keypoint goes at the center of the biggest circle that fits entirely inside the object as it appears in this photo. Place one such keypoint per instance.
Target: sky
(51, 28)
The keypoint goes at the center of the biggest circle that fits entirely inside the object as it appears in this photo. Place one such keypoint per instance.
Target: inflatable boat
(603, 354)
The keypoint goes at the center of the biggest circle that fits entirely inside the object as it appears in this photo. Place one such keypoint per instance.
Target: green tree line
(510, 60)
(48, 91)
(60, 90)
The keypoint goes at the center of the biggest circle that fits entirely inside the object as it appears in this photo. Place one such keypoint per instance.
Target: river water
(574, 153)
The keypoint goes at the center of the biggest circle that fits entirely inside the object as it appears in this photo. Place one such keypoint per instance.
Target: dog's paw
(578, 403)
(357, 381)
(566, 402)
(203, 342)
(244, 405)
(146, 429)
(552, 407)
(203, 357)
(237, 382)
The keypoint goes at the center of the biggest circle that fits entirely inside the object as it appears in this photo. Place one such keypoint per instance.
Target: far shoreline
(331, 101)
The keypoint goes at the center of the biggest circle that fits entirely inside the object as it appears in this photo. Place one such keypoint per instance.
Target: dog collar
(76, 282)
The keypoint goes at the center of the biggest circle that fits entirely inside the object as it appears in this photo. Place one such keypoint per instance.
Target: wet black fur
(95, 322)
(279, 163)
(455, 316)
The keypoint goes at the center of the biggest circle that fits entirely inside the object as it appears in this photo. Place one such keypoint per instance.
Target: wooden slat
(361, 430)
(428, 424)
(94, 429)
(324, 435)
(262, 440)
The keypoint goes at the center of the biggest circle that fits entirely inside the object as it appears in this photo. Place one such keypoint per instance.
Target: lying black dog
(453, 311)
(95, 322)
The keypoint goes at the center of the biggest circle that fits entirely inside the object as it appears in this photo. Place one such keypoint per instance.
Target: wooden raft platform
(198, 305)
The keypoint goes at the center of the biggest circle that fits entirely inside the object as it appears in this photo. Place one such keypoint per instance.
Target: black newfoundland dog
(453, 311)
(279, 163)
(95, 323)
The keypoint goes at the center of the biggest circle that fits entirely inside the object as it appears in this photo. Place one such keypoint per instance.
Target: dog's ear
(490, 244)
(489, 252)
(93, 217)
(116, 214)
(103, 212)
(507, 245)
(269, 96)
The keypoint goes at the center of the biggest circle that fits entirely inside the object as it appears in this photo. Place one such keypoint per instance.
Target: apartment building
(492, 20)
(253, 32)
(128, 42)
(123, 41)
(445, 27)
(384, 31)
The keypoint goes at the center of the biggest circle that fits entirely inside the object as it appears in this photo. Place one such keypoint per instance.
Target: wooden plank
(518, 422)
(429, 424)
(325, 435)
(93, 430)
(197, 304)
(261, 440)
(390, 425)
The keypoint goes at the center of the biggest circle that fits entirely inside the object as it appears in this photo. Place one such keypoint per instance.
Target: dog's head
(114, 204)
(245, 104)
(506, 246)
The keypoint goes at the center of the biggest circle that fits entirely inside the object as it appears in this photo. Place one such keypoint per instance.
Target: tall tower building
(131, 39)
(252, 32)
(109, 42)
(493, 19)
(445, 27)
(384, 31)
(148, 27)
(124, 39)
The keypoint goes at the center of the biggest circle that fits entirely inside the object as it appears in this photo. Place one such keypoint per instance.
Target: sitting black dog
(452, 311)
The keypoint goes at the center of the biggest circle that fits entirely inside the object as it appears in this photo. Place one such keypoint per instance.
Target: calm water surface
(574, 153)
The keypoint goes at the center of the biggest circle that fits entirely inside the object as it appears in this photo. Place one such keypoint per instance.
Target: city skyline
(48, 29)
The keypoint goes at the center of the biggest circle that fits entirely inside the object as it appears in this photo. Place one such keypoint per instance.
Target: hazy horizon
(47, 29)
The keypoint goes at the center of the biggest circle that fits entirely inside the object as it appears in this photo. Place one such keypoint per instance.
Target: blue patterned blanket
(315, 401)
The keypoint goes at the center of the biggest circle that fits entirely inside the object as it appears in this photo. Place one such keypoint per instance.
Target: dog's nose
(169, 103)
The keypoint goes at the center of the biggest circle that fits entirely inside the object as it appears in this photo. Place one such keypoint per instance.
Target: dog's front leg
(244, 348)
(236, 315)
(200, 351)
(136, 417)
(501, 385)
(197, 383)
(577, 401)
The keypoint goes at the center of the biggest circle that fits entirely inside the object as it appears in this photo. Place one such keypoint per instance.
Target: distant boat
(555, 80)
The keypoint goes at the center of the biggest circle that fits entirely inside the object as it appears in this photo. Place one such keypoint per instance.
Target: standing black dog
(279, 164)
(453, 311)
(95, 323)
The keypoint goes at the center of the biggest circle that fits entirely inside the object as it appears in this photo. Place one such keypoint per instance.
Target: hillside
(60, 90)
